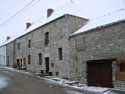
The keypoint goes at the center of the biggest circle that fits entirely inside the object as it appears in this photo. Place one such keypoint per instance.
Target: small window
(7, 60)
(24, 61)
(29, 59)
(18, 62)
(29, 43)
(40, 59)
(122, 67)
(18, 45)
(21, 62)
(46, 38)
(57, 73)
(60, 54)
(80, 43)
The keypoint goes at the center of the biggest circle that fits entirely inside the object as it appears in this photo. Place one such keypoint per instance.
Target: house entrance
(47, 64)
(99, 73)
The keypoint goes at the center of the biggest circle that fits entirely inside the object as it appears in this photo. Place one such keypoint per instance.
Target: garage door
(99, 73)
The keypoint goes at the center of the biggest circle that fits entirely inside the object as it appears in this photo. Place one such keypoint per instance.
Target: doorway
(99, 73)
(47, 64)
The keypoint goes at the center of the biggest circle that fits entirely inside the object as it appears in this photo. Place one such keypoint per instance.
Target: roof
(75, 9)
(87, 11)
(102, 21)
(7, 41)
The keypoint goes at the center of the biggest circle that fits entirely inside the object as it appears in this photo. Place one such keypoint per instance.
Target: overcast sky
(37, 10)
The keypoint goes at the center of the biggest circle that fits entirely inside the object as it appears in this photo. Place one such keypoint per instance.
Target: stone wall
(103, 43)
(59, 31)
(10, 57)
(3, 55)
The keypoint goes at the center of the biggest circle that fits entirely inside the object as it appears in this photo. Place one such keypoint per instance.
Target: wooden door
(99, 73)
(47, 64)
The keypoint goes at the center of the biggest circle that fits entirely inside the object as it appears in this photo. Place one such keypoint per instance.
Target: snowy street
(19, 82)
(12, 82)
(24, 84)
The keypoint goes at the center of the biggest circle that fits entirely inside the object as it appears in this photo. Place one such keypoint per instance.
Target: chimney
(49, 12)
(28, 24)
(8, 37)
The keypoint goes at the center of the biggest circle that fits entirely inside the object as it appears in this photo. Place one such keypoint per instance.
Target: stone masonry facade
(51, 49)
(10, 54)
(106, 42)
(58, 32)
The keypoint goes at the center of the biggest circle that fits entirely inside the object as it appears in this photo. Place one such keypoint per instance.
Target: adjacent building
(97, 52)
(10, 53)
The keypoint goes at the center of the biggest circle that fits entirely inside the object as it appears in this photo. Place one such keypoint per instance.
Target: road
(19, 83)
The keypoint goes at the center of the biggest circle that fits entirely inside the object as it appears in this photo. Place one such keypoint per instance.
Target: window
(122, 67)
(46, 38)
(21, 62)
(18, 45)
(40, 59)
(24, 61)
(80, 43)
(7, 60)
(60, 54)
(57, 73)
(29, 44)
(29, 59)
(18, 63)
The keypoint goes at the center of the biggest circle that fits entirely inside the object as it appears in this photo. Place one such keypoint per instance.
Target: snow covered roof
(75, 9)
(102, 21)
(7, 41)
(80, 8)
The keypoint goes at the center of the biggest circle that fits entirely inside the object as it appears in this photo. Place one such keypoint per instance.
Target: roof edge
(97, 28)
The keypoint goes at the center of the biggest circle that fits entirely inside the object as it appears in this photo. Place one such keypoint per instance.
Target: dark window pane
(60, 54)
(40, 59)
(122, 67)
(29, 59)
(29, 44)
(46, 38)
(18, 45)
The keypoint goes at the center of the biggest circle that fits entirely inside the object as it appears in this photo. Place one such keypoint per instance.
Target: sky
(36, 10)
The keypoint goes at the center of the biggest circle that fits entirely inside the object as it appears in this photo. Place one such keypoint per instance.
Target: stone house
(7, 52)
(45, 49)
(97, 52)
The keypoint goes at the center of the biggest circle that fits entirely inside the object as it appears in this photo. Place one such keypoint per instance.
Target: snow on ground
(76, 85)
(58, 81)
(92, 89)
(15, 70)
(3, 82)
(74, 92)
(109, 92)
